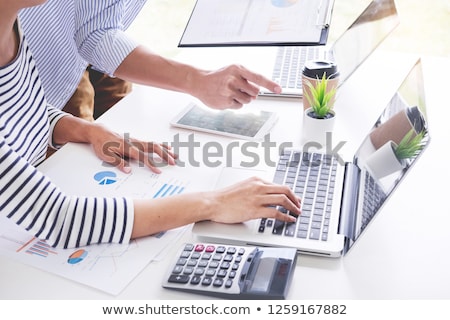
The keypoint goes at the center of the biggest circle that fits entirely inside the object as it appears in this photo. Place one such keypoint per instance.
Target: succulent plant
(410, 146)
(320, 98)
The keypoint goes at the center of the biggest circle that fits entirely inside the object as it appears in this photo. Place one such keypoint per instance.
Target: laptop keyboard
(374, 197)
(289, 63)
(312, 177)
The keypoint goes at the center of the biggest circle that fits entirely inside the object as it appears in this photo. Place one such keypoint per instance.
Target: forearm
(156, 215)
(246, 200)
(145, 67)
(229, 87)
(73, 129)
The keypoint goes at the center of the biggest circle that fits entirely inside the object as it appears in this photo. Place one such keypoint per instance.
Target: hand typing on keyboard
(247, 200)
(256, 198)
(312, 177)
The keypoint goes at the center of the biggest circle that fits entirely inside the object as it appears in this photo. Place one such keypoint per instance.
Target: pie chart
(77, 256)
(105, 177)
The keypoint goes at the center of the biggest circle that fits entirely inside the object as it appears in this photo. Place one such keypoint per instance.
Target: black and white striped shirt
(66, 36)
(27, 196)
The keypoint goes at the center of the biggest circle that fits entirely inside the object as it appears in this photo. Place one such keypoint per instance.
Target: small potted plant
(398, 125)
(410, 146)
(392, 157)
(319, 118)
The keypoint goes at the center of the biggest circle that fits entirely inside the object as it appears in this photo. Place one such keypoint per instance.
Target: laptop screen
(394, 143)
(376, 22)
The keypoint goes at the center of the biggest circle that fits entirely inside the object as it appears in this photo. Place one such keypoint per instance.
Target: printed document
(257, 22)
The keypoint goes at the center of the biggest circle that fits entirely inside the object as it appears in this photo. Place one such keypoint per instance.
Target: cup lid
(317, 68)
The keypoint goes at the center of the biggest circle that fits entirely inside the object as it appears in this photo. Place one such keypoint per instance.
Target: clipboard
(216, 23)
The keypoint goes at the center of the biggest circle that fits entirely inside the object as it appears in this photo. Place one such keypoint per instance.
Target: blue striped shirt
(66, 36)
(27, 196)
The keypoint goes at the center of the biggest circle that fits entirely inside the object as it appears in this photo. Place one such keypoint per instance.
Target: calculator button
(192, 263)
(179, 278)
(185, 254)
(188, 270)
(222, 273)
(210, 272)
(199, 271)
(196, 280)
(210, 249)
(177, 269)
(228, 258)
(206, 281)
(199, 248)
(231, 250)
(202, 263)
(206, 256)
(217, 256)
(220, 249)
(218, 282)
(195, 255)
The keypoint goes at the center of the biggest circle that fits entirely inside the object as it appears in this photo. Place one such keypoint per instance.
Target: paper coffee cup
(396, 127)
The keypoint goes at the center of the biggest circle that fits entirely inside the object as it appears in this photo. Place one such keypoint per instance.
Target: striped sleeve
(32, 201)
(81, 32)
(27, 196)
(100, 32)
(54, 115)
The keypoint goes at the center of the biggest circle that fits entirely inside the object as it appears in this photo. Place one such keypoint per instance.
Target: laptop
(339, 199)
(349, 51)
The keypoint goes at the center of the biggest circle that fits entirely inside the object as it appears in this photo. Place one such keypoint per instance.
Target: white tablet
(242, 124)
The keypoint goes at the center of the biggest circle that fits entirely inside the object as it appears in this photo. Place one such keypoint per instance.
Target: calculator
(232, 272)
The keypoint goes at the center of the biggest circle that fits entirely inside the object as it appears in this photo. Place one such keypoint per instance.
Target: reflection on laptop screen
(396, 140)
(364, 35)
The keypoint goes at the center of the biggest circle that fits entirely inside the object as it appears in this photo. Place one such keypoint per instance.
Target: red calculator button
(199, 248)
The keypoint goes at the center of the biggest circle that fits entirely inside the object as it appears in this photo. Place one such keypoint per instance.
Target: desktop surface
(401, 256)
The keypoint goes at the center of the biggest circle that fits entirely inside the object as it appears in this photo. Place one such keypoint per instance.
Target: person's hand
(231, 87)
(254, 198)
(117, 150)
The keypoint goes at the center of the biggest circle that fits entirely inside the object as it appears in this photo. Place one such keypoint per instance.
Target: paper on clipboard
(258, 22)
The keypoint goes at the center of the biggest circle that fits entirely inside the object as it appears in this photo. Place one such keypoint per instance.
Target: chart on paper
(140, 183)
(108, 267)
(268, 22)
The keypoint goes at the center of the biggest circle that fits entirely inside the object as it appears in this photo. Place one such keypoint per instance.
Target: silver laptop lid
(384, 157)
(366, 33)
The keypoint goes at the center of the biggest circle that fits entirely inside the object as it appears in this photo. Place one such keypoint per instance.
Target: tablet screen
(230, 122)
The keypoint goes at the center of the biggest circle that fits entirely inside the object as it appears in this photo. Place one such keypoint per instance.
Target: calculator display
(263, 275)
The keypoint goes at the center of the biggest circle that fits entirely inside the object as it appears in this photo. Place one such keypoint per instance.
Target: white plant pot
(383, 161)
(315, 130)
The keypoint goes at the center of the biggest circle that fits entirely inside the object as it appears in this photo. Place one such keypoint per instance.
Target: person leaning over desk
(28, 123)
(92, 32)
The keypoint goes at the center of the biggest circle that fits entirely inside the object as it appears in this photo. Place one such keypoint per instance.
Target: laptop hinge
(347, 218)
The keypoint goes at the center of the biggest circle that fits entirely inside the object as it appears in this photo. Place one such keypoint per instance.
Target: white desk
(403, 254)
